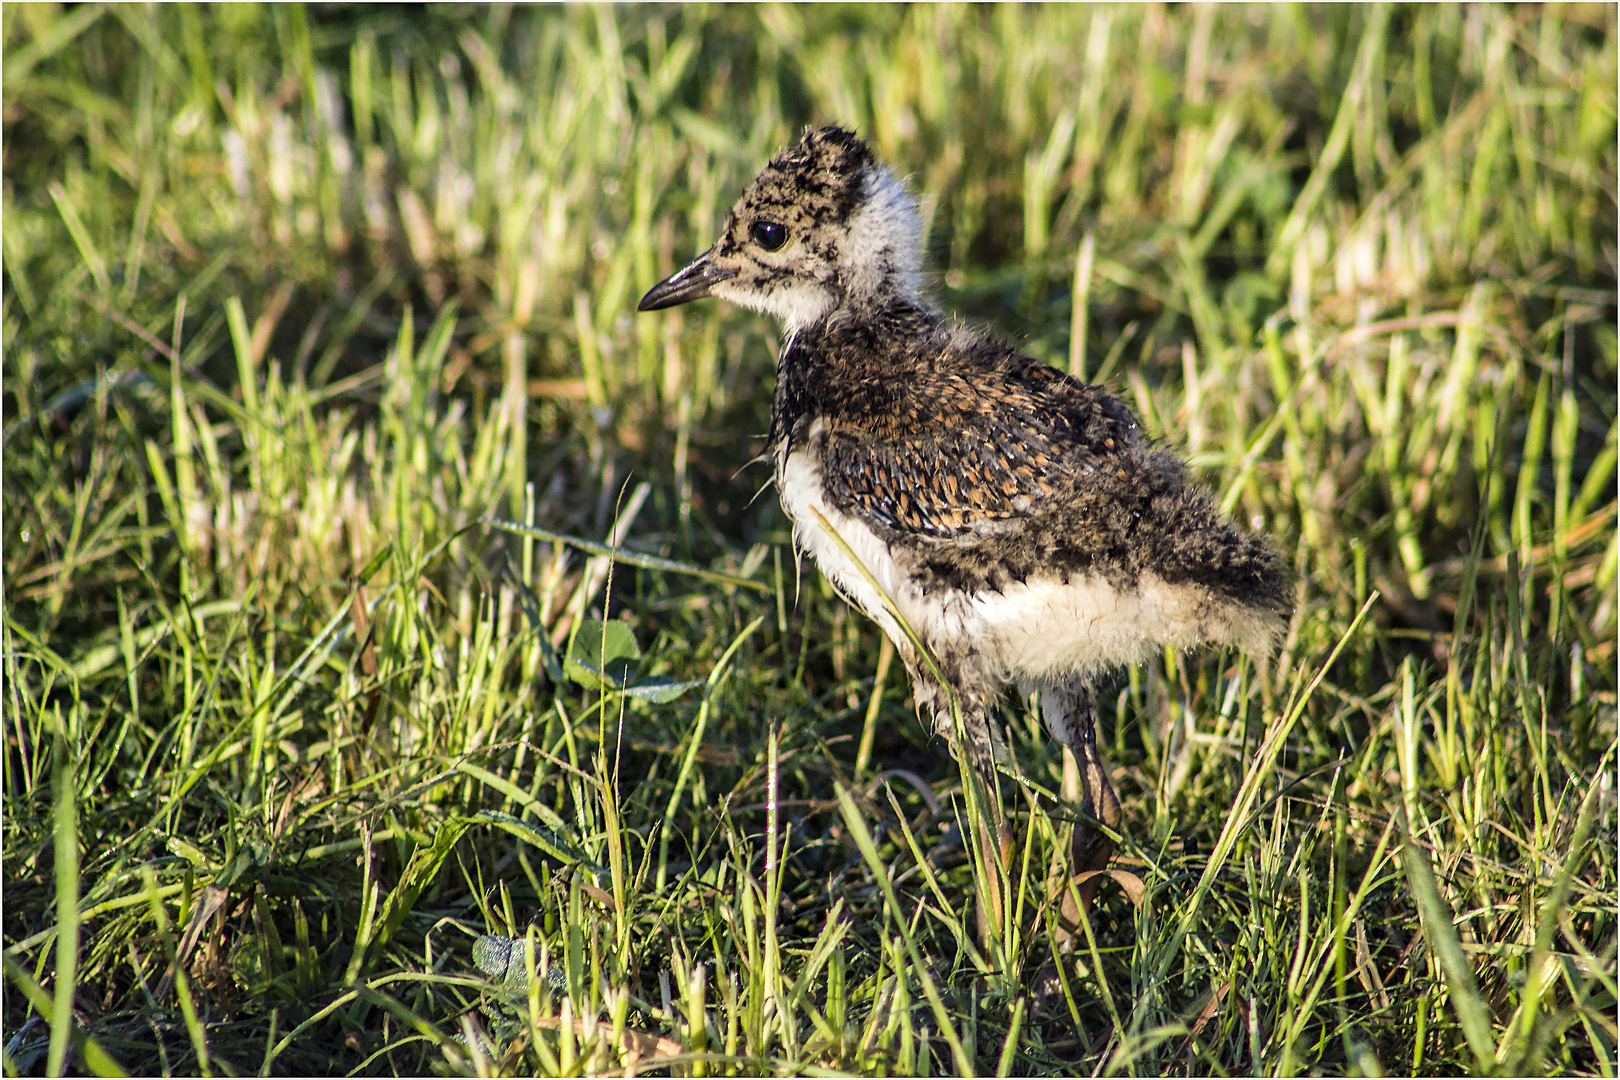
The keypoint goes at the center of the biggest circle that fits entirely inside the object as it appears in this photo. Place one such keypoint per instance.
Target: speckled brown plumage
(936, 436)
(1017, 518)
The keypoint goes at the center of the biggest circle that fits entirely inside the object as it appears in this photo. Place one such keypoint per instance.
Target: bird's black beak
(692, 283)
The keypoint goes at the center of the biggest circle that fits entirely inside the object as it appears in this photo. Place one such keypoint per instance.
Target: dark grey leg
(933, 702)
(977, 749)
(1072, 720)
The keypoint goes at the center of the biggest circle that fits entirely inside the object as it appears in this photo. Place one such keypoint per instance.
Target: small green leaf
(602, 655)
(658, 689)
(558, 846)
(506, 960)
(419, 874)
(193, 854)
(502, 959)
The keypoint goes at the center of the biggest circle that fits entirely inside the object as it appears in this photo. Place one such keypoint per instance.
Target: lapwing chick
(1018, 519)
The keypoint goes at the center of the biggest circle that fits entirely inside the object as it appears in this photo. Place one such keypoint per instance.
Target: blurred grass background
(295, 296)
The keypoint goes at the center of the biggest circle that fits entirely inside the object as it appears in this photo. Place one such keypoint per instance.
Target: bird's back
(988, 469)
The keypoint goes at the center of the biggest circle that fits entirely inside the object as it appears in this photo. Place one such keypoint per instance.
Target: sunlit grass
(303, 308)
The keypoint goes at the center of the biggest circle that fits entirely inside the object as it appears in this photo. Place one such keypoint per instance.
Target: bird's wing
(947, 455)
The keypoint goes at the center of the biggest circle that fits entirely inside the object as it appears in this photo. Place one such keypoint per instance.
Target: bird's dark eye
(769, 235)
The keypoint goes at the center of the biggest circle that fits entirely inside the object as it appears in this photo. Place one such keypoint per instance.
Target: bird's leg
(995, 838)
(981, 751)
(1072, 720)
(976, 749)
(1089, 847)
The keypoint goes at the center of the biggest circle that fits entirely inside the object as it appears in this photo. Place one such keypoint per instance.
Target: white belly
(1038, 631)
(1048, 630)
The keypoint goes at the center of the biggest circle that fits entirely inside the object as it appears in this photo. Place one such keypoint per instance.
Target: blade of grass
(67, 904)
(721, 667)
(1515, 1053)
(942, 1016)
(1472, 1013)
(625, 555)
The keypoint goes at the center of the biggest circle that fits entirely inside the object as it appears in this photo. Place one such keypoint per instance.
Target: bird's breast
(847, 551)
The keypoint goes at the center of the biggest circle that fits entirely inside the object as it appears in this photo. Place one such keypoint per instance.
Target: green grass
(296, 299)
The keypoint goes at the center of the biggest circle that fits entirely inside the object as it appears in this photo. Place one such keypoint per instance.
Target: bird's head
(824, 225)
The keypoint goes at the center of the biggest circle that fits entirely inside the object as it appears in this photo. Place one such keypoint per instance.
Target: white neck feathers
(883, 251)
